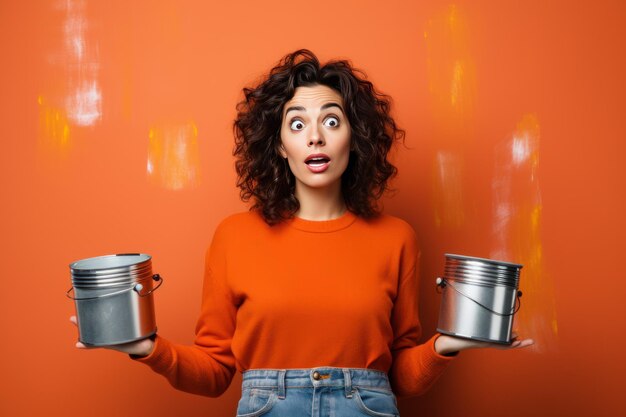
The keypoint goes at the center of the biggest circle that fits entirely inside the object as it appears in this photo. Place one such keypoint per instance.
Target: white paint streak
(503, 211)
(84, 99)
(75, 27)
(513, 159)
(180, 147)
(442, 162)
(173, 155)
(84, 106)
(520, 149)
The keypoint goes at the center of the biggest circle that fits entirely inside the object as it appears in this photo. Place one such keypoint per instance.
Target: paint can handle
(136, 287)
(139, 287)
(442, 283)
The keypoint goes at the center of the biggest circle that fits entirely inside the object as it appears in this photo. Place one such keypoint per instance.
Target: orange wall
(514, 151)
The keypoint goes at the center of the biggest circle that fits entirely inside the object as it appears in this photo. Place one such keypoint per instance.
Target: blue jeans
(316, 392)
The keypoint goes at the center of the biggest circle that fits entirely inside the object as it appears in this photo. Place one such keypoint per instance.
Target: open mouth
(317, 161)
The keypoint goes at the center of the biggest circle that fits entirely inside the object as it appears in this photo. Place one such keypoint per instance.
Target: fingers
(79, 345)
(525, 343)
(519, 344)
(445, 344)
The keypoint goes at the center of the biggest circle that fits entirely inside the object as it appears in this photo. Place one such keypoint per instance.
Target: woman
(313, 293)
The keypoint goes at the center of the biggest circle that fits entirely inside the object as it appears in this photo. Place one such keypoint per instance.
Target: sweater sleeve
(415, 367)
(208, 366)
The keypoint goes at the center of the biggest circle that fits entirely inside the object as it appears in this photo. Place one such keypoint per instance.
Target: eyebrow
(327, 105)
(324, 107)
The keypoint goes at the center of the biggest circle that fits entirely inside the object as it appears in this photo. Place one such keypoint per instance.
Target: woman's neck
(320, 203)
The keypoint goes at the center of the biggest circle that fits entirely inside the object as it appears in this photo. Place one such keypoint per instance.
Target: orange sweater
(303, 294)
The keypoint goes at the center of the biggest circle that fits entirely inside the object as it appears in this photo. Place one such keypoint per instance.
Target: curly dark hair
(261, 171)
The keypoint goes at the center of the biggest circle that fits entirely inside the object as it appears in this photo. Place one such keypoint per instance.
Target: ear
(281, 151)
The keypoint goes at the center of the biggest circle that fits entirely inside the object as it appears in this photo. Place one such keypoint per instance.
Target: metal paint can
(113, 298)
(479, 298)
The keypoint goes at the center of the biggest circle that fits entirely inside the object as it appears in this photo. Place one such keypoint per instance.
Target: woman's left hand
(448, 344)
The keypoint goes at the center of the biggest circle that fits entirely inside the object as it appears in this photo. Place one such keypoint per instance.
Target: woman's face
(315, 137)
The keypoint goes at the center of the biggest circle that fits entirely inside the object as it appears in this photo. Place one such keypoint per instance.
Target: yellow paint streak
(453, 16)
(457, 84)
(54, 126)
(451, 74)
(173, 155)
(535, 217)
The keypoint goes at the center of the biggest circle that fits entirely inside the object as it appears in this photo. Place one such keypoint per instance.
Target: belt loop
(281, 384)
(347, 382)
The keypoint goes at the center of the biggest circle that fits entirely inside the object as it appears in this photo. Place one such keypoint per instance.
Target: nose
(316, 137)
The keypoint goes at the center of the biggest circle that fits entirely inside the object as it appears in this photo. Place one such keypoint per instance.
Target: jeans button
(316, 376)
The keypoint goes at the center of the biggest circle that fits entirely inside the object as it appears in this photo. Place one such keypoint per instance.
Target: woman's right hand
(140, 348)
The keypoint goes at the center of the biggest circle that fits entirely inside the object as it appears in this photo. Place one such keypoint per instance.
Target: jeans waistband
(315, 377)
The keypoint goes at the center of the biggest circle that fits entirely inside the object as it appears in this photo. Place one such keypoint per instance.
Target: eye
(296, 125)
(331, 121)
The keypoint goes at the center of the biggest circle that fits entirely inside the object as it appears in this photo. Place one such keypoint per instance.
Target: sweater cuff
(160, 358)
(438, 358)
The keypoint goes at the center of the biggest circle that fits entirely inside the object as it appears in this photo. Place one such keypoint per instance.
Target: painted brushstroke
(448, 190)
(451, 74)
(54, 126)
(83, 103)
(517, 230)
(173, 156)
